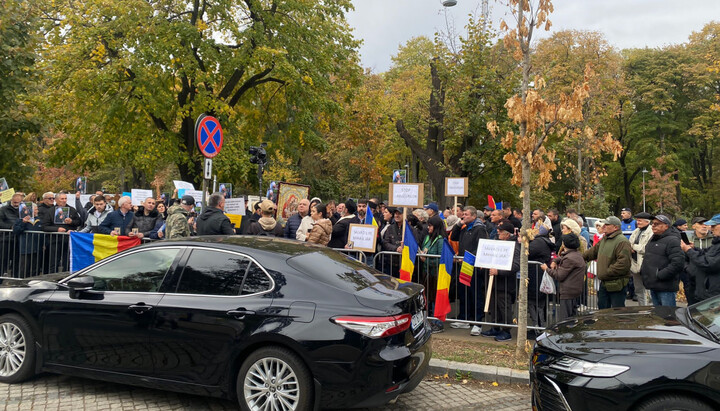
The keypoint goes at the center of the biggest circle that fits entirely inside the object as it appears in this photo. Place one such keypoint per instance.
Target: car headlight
(587, 368)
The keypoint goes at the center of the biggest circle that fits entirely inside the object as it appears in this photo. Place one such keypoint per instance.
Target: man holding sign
(502, 297)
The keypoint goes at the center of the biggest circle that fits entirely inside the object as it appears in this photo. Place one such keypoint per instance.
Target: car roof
(274, 246)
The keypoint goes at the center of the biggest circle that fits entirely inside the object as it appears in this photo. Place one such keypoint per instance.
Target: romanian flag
(409, 251)
(442, 297)
(499, 205)
(369, 218)
(467, 268)
(491, 202)
(87, 248)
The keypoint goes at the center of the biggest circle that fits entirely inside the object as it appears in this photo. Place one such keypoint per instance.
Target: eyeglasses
(48, 198)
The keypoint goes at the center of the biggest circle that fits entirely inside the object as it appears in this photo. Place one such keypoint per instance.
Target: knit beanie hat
(571, 241)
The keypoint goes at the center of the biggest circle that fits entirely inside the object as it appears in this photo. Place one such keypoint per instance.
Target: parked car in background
(277, 324)
(630, 358)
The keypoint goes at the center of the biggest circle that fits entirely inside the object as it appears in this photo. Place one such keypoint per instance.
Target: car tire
(17, 349)
(673, 402)
(274, 374)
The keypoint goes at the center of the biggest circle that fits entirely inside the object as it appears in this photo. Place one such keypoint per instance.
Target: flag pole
(487, 295)
(404, 224)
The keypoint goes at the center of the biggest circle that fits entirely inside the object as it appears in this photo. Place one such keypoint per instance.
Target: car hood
(40, 281)
(625, 331)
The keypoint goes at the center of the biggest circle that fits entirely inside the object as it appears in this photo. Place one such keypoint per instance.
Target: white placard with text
(235, 206)
(138, 196)
(495, 254)
(362, 237)
(406, 195)
(180, 185)
(456, 186)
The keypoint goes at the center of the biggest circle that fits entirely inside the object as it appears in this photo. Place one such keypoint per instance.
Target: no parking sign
(209, 135)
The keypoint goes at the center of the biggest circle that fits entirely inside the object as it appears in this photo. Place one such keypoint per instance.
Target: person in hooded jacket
(266, 225)
(569, 270)
(539, 250)
(96, 215)
(213, 220)
(663, 262)
(707, 262)
(321, 227)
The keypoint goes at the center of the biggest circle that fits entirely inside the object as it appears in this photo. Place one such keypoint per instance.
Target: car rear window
(336, 269)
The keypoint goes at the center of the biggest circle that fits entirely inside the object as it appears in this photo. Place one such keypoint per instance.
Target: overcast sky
(383, 25)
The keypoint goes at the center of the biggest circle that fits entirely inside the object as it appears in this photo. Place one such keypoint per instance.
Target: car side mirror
(79, 284)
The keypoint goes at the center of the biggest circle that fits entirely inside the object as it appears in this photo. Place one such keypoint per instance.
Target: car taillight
(375, 327)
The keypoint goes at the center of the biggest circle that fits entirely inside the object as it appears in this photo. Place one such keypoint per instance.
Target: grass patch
(499, 355)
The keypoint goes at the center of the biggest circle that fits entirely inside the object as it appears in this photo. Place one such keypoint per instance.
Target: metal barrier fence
(468, 303)
(33, 253)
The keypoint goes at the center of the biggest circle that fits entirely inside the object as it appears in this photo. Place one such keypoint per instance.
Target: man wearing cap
(266, 225)
(432, 209)
(341, 228)
(178, 224)
(638, 240)
(613, 264)
(707, 262)
(663, 262)
(628, 224)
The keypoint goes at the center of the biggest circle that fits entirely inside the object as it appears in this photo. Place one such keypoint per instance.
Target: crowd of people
(634, 255)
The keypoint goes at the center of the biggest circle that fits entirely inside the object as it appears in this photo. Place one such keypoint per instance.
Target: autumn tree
(537, 121)
(18, 122)
(129, 78)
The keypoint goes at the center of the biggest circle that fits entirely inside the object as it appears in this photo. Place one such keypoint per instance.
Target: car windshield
(336, 269)
(707, 314)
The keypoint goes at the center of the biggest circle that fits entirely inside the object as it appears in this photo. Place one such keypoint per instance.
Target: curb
(480, 372)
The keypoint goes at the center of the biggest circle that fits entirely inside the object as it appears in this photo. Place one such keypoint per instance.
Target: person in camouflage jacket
(177, 225)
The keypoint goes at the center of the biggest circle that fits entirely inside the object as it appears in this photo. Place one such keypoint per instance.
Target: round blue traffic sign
(209, 135)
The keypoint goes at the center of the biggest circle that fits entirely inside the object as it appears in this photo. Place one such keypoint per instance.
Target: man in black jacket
(707, 262)
(554, 216)
(58, 246)
(9, 214)
(472, 298)
(213, 221)
(663, 262)
(146, 217)
(502, 297)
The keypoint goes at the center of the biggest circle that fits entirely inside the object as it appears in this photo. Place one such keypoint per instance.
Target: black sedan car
(631, 358)
(275, 323)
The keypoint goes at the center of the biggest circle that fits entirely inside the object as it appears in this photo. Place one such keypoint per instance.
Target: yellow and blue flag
(369, 218)
(88, 248)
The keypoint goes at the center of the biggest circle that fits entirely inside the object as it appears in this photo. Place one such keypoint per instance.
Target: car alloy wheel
(273, 378)
(17, 356)
(12, 349)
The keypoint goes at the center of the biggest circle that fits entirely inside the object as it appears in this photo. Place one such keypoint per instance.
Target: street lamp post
(643, 173)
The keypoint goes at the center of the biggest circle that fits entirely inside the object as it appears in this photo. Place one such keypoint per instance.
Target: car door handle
(240, 314)
(140, 308)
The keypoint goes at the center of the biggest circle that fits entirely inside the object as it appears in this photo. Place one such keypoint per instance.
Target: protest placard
(362, 237)
(183, 185)
(84, 198)
(406, 195)
(197, 195)
(235, 206)
(495, 254)
(456, 186)
(138, 195)
(6, 195)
